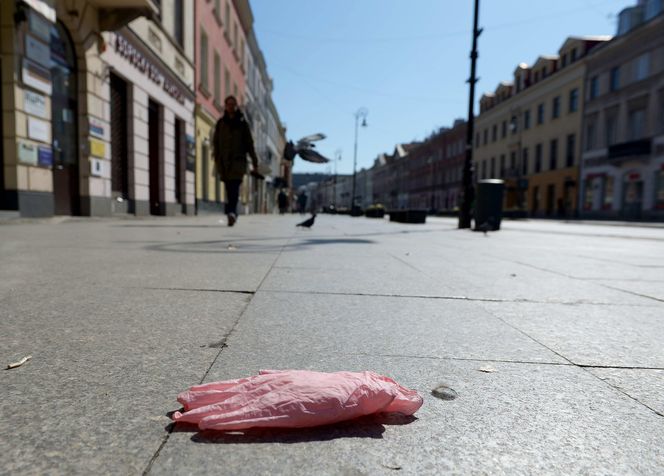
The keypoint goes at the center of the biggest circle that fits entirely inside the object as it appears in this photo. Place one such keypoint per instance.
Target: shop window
(571, 146)
(524, 161)
(553, 154)
(538, 158)
(573, 100)
(588, 192)
(659, 189)
(526, 119)
(555, 108)
(540, 114)
(607, 192)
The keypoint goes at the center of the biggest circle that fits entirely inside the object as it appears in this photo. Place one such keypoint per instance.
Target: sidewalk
(121, 315)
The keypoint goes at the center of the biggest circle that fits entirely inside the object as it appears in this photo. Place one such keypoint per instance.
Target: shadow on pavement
(372, 426)
(240, 246)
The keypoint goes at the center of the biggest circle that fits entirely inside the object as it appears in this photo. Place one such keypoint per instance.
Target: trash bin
(489, 204)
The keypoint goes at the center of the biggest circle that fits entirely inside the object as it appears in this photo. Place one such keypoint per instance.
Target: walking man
(232, 143)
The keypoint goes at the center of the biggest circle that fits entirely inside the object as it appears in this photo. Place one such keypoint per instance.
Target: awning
(114, 14)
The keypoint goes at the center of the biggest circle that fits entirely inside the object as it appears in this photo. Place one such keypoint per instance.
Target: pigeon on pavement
(308, 223)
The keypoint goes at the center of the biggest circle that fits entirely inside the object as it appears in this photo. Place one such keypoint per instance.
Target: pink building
(220, 71)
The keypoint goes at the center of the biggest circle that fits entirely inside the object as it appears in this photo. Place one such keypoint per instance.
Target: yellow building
(528, 132)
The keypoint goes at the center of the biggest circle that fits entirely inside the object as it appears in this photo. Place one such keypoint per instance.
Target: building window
(178, 19)
(514, 126)
(204, 60)
(484, 169)
(614, 78)
(227, 15)
(235, 45)
(637, 124)
(660, 114)
(659, 189)
(501, 172)
(540, 114)
(573, 59)
(642, 67)
(594, 87)
(486, 136)
(494, 133)
(512, 162)
(564, 60)
(573, 100)
(571, 147)
(611, 127)
(227, 82)
(526, 119)
(217, 9)
(555, 109)
(235, 91)
(524, 161)
(493, 168)
(477, 139)
(217, 78)
(538, 158)
(591, 133)
(553, 154)
(504, 130)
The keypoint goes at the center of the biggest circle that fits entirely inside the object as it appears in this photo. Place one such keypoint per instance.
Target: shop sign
(38, 51)
(39, 26)
(96, 128)
(35, 104)
(45, 156)
(98, 167)
(97, 148)
(27, 153)
(39, 130)
(42, 7)
(36, 77)
(140, 62)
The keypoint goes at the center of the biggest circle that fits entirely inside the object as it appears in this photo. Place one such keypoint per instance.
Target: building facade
(95, 121)
(528, 132)
(623, 144)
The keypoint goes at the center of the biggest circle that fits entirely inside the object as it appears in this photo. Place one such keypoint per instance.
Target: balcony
(630, 150)
(114, 14)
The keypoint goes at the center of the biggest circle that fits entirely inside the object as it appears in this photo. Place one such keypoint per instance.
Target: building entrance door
(64, 113)
(632, 198)
(154, 146)
(119, 145)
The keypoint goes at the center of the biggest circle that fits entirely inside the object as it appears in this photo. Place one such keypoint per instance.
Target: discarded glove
(293, 399)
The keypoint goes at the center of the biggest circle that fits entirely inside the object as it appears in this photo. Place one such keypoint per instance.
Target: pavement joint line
(202, 290)
(586, 369)
(558, 273)
(222, 346)
(617, 367)
(464, 359)
(455, 298)
(403, 261)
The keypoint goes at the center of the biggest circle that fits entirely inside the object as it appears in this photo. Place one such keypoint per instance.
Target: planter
(375, 213)
(408, 216)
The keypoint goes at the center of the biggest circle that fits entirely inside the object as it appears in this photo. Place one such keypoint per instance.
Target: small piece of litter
(444, 393)
(393, 466)
(231, 247)
(19, 363)
(487, 370)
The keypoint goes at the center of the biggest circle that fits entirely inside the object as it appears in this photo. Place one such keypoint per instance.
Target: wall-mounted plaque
(97, 148)
(36, 77)
(45, 156)
(35, 104)
(97, 128)
(38, 51)
(98, 167)
(39, 26)
(27, 153)
(39, 130)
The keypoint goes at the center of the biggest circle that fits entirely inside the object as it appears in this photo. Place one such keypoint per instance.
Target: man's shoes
(231, 219)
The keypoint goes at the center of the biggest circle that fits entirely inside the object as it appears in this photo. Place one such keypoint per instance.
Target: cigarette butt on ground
(19, 363)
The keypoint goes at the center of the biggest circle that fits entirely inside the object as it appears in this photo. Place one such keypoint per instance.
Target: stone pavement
(121, 315)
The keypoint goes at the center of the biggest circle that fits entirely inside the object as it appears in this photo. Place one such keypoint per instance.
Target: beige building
(623, 157)
(97, 107)
(528, 132)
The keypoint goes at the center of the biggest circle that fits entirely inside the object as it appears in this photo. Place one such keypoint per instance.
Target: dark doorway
(64, 111)
(154, 146)
(550, 199)
(205, 173)
(632, 199)
(180, 152)
(119, 144)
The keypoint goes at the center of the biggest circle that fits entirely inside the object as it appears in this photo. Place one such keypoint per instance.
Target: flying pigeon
(305, 149)
(309, 222)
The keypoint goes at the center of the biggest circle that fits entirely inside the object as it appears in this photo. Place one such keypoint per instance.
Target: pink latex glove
(293, 399)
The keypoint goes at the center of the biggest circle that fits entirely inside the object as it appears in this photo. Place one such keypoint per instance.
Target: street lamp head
(364, 122)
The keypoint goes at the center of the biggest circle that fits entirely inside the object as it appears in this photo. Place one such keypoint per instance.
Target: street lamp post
(468, 187)
(362, 113)
(337, 158)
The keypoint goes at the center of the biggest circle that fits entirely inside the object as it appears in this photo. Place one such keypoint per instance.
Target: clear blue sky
(406, 61)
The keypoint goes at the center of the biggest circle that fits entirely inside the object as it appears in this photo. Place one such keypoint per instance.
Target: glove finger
(197, 414)
(191, 400)
(242, 420)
